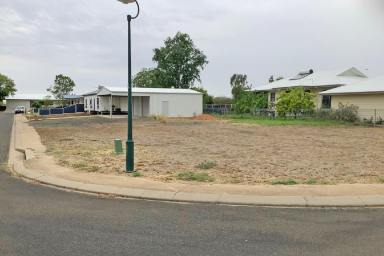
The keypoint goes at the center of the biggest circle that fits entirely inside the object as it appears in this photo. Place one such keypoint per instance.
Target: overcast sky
(86, 39)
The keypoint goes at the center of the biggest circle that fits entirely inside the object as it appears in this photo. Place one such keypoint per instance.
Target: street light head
(127, 1)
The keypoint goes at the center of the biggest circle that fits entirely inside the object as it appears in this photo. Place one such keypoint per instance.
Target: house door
(165, 108)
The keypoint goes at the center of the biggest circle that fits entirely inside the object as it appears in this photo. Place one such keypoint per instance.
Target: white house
(146, 101)
(26, 100)
(23, 100)
(368, 95)
(315, 82)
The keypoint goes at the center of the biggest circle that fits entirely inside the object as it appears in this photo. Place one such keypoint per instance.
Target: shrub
(294, 102)
(161, 119)
(194, 176)
(248, 102)
(136, 174)
(346, 113)
(206, 165)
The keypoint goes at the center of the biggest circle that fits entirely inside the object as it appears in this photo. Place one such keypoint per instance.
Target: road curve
(37, 220)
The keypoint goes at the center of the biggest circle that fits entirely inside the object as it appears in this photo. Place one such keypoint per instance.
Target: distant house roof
(372, 85)
(29, 96)
(90, 93)
(317, 79)
(123, 91)
(72, 97)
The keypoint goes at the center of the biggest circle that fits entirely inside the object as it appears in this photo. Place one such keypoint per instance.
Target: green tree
(207, 99)
(222, 100)
(179, 64)
(63, 85)
(239, 84)
(7, 87)
(248, 102)
(149, 77)
(295, 101)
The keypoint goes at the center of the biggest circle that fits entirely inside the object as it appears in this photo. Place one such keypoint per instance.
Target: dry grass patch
(233, 153)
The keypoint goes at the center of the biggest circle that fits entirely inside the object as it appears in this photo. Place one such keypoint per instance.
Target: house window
(86, 105)
(273, 97)
(326, 101)
(90, 103)
(97, 103)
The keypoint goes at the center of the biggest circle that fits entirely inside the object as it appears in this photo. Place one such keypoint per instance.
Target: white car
(20, 110)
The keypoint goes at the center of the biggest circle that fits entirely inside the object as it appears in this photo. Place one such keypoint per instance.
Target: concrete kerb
(18, 155)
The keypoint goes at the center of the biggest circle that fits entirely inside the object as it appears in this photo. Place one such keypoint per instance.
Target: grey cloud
(86, 39)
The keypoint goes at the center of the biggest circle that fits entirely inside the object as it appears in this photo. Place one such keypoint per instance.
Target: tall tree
(63, 85)
(149, 77)
(239, 84)
(7, 87)
(179, 64)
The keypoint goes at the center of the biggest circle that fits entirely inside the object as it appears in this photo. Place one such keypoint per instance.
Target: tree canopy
(295, 101)
(149, 77)
(207, 99)
(7, 87)
(222, 100)
(249, 102)
(179, 63)
(63, 85)
(239, 84)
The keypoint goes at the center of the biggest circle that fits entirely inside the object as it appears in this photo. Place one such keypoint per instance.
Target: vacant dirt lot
(246, 154)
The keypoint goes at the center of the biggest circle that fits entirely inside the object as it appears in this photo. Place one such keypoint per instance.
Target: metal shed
(146, 101)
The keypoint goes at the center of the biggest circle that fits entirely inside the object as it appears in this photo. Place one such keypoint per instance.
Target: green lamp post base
(130, 164)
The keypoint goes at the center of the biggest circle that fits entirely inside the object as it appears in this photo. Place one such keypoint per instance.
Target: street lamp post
(129, 161)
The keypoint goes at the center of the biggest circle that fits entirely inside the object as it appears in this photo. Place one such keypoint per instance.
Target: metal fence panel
(44, 112)
(70, 109)
(56, 111)
(79, 108)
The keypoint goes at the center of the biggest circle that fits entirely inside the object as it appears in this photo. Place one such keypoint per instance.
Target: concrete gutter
(19, 154)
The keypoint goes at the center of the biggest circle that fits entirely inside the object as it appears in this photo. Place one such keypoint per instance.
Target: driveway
(37, 220)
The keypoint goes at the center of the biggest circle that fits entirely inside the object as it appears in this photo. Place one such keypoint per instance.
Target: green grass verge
(194, 176)
(281, 121)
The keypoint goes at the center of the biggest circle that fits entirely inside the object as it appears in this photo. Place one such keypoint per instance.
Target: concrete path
(39, 167)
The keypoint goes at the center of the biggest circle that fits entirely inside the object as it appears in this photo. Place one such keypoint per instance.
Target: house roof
(121, 91)
(317, 79)
(72, 97)
(29, 96)
(372, 85)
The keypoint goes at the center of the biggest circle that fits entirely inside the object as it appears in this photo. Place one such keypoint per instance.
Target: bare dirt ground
(244, 154)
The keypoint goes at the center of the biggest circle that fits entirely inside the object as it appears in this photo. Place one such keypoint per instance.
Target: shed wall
(179, 105)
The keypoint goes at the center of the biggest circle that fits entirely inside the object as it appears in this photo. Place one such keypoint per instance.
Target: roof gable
(352, 72)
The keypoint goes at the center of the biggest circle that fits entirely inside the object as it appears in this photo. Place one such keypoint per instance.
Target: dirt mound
(205, 117)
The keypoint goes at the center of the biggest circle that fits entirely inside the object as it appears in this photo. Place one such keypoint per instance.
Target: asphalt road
(36, 220)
